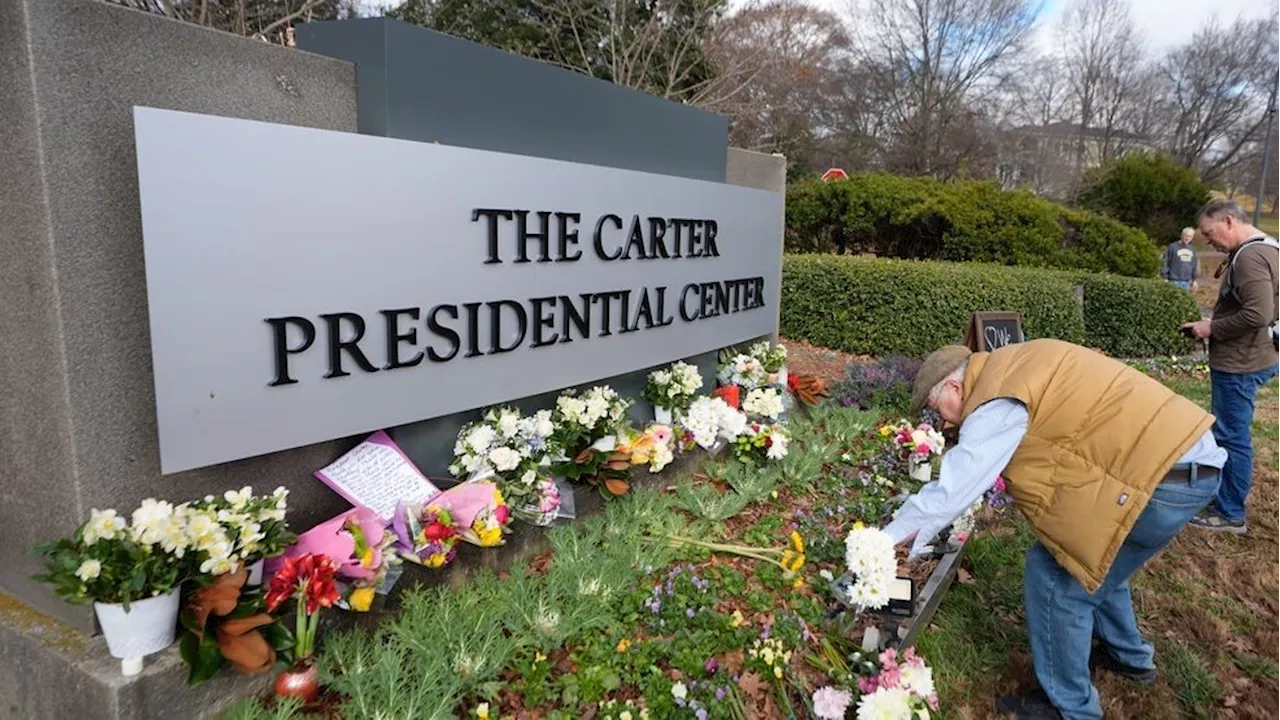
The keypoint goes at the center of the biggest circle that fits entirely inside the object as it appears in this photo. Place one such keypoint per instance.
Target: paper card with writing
(377, 474)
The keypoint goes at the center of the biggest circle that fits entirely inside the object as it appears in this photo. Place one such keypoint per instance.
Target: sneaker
(1035, 706)
(1210, 520)
(1101, 658)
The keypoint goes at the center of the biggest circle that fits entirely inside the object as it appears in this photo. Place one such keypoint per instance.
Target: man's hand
(1199, 330)
(1195, 285)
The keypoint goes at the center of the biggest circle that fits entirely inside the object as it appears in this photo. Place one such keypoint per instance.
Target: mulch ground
(827, 364)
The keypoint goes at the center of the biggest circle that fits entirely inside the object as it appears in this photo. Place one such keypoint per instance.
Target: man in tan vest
(1105, 463)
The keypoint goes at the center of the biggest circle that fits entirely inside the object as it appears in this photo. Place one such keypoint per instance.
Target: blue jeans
(1063, 619)
(1233, 396)
(1184, 284)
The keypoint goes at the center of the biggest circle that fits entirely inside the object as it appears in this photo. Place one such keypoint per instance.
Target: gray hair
(957, 374)
(1216, 208)
(1188, 231)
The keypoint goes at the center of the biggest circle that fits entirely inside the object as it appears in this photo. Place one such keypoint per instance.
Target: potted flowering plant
(310, 581)
(131, 573)
(758, 443)
(741, 370)
(671, 390)
(517, 452)
(242, 528)
(587, 428)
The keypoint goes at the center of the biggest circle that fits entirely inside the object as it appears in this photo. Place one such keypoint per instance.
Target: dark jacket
(1240, 338)
(1181, 262)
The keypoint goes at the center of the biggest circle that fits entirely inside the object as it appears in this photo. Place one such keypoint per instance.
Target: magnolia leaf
(617, 487)
(202, 656)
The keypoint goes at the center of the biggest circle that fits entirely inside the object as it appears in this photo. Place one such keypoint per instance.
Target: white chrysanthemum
(918, 680)
(885, 704)
(732, 422)
(508, 424)
(778, 447)
(543, 427)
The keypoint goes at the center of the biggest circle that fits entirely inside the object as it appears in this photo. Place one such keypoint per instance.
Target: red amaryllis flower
(313, 575)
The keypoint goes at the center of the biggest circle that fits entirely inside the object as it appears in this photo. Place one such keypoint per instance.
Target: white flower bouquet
(710, 421)
(870, 557)
(673, 388)
(518, 452)
(763, 403)
(742, 370)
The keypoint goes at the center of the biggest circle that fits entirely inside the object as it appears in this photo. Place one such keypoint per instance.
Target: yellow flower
(361, 599)
(858, 525)
(736, 619)
(797, 564)
(777, 671)
(366, 560)
(482, 711)
(497, 497)
(624, 715)
(489, 537)
(623, 645)
(799, 583)
(885, 431)
(797, 542)
(538, 657)
(774, 494)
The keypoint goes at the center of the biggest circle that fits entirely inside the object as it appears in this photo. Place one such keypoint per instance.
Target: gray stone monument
(77, 401)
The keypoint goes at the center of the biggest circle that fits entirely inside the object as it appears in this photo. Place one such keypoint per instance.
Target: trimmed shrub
(1133, 318)
(1149, 191)
(884, 307)
(925, 219)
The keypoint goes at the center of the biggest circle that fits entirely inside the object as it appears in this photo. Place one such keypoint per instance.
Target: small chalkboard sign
(993, 330)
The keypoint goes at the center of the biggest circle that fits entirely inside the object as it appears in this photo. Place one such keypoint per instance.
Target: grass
(1208, 603)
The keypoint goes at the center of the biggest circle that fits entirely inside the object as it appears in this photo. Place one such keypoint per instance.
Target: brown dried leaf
(753, 686)
(732, 662)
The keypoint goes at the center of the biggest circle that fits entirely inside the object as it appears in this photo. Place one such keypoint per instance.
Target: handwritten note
(998, 337)
(378, 475)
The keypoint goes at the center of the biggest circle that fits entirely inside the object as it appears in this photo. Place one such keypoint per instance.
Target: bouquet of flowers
(239, 527)
(741, 369)
(763, 403)
(709, 421)
(870, 557)
(918, 443)
(109, 561)
(997, 496)
(673, 388)
(515, 450)
(771, 357)
(359, 542)
(480, 511)
(587, 429)
(759, 442)
(425, 534)
(311, 581)
(895, 687)
(651, 447)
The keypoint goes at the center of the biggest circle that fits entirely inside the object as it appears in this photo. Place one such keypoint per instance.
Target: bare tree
(935, 61)
(1217, 89)
(268, 20)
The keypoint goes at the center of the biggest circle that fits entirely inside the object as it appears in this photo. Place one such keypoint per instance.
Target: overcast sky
(1163, 23)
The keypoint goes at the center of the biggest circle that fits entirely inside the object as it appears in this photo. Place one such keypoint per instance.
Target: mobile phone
(1187, 331)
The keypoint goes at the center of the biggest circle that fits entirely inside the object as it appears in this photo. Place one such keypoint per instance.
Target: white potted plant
(253, 525)
(671, 391)
(131, 573)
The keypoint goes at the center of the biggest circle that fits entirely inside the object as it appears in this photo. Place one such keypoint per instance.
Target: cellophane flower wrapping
(899, 687)
(759, 442)
(426, 533)
(361, 545)
(914, 442)
(710, 420)
(652, 446)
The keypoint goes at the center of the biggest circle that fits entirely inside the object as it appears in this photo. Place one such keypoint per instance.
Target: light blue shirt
(988, 439)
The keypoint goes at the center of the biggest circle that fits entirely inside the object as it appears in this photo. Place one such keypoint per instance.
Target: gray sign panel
(306, 285)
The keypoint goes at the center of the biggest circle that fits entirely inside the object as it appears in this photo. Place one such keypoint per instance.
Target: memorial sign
(305, 285)
(993, 330)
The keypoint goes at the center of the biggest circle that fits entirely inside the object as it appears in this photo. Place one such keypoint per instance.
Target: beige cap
(941, 363)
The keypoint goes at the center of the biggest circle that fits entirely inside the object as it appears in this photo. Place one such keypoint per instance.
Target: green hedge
(925, 219)
(883, 306)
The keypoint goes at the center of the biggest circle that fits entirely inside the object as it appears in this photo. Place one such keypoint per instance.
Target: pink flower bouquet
(425, 533)
(359, 543)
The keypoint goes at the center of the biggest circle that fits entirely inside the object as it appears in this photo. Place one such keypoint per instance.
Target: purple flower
(701, 714)
(711, 666)
(720, 693)
(689, 612)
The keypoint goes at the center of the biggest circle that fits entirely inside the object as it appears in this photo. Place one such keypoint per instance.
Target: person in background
(1242, 349)
(1181, 264)
(1107, 465)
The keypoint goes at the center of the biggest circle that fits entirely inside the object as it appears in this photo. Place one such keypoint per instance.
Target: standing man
(1242, 349)
(1106, 464)
(1181, 264)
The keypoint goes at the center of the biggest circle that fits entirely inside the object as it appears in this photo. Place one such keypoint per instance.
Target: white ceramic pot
(922, 471)
(148, 627)
(255, 573)
(661, 415)
(782, 376)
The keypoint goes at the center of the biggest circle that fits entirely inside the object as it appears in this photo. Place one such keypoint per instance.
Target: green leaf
(202, 657)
